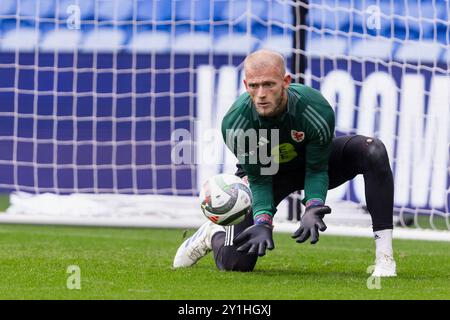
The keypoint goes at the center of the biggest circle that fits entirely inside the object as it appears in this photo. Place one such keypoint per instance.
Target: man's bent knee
(238, 268)
(376, 156)
(236, 261)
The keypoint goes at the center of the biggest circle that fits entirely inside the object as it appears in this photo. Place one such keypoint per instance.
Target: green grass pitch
(4, 202)
(120, 263)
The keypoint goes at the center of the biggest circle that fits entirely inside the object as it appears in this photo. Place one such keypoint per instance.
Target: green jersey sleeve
(261, 187)
(319, 122)
(236, 121)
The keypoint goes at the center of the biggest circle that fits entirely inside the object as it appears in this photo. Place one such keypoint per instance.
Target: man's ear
(287, 81)
(245, 84)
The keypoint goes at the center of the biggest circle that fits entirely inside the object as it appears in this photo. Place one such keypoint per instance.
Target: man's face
(267, 88)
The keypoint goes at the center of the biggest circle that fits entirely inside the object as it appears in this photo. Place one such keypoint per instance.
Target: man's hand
(310, 224)
(255, 239)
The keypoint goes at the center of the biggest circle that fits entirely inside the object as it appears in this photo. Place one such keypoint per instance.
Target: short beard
(278, 109)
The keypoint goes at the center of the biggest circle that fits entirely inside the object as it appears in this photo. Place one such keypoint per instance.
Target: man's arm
(316, 175)
(261, 187)
(319, 125)
(258, 237)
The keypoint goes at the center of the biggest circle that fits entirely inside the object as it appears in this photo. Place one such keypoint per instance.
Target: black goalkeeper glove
(311, 223)
(255, 239)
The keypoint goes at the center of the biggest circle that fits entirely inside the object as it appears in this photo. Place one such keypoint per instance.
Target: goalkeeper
(305, 155)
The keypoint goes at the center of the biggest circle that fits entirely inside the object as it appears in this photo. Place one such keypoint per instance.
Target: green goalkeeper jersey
(301, 141)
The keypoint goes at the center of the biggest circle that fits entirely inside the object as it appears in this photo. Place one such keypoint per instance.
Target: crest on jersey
(297, 136)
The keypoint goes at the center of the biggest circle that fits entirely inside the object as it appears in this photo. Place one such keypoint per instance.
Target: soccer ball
(225, 199)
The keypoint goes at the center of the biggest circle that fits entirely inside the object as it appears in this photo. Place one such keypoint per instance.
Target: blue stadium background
(263, 19)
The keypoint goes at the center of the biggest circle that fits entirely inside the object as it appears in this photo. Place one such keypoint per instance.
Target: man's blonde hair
(263, 59)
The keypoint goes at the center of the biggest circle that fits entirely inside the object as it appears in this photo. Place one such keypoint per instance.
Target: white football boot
(197, 246)
(385, 266)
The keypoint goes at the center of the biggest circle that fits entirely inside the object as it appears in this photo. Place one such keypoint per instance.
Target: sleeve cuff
(257, 213)
(263, 218)
(314, 202)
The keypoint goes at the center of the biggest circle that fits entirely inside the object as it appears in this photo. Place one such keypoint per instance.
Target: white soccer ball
(225, 199)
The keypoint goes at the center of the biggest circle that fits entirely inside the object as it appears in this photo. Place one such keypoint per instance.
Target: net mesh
(96, 94)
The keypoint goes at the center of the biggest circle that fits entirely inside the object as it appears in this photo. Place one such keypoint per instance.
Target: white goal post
(110, 110)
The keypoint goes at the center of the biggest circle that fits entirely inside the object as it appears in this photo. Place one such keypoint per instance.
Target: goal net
(110, 110)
